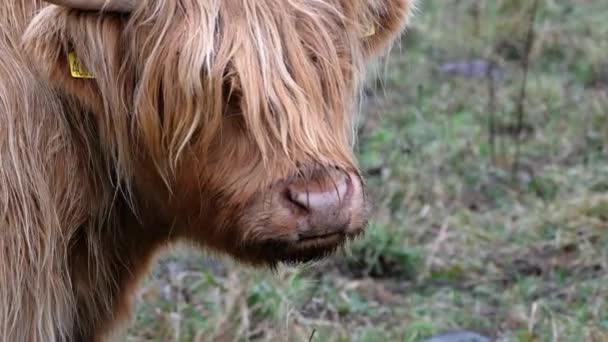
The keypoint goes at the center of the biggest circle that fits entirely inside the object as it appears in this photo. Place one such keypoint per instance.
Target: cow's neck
(108, 265)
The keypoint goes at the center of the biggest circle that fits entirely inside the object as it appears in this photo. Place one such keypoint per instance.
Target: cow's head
(230, 120)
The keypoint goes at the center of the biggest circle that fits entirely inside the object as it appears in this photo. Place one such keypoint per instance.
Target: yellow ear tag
(370, 31)
(77, 69)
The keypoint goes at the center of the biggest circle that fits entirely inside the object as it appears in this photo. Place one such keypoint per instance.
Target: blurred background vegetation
(490, 203)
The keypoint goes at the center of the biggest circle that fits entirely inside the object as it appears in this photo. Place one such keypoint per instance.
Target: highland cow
(128, 125)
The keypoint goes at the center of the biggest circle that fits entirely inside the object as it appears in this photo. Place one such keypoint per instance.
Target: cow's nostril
(326, 202)
(320, 194)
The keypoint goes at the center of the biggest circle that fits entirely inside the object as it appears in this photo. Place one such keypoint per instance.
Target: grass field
(486, 217)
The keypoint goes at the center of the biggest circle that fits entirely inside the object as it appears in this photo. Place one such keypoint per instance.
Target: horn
(99, 5)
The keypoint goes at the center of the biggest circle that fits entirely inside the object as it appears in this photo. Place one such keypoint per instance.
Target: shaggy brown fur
(197, 109)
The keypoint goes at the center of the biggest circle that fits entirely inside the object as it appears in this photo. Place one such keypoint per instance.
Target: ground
(490, 205)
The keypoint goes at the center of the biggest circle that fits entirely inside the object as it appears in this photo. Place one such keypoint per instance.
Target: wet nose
(324, 202)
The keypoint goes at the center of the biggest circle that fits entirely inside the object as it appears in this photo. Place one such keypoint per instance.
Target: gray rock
(474, 68)
(459, 336)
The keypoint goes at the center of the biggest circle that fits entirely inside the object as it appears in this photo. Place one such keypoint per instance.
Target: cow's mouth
(321, 239)
(304, 249)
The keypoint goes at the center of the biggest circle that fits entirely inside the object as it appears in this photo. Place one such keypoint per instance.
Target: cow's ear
(80, 53)
(381, 22)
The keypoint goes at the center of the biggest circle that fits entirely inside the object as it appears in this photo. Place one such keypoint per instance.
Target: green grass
(458, 240)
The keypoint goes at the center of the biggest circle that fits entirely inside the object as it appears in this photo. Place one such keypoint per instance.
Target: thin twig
(312, 335)
(490, 74)
(521, 106)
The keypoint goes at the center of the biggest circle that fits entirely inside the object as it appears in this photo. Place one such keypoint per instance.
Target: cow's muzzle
(321, 206)
(311, 216)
